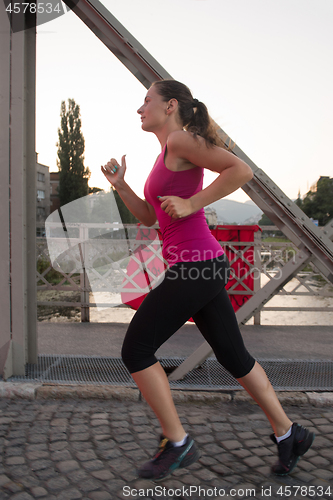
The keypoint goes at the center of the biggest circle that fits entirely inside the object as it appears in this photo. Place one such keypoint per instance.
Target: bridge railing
(260, 259)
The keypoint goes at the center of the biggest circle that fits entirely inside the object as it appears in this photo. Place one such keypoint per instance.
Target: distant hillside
(229, 211)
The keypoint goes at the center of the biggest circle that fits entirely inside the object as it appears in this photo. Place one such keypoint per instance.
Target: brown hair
(193, 113)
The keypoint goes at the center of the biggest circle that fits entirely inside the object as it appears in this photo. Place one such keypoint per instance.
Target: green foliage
(52, 276)
(319, 204)
(93, 190)
(73, 175)
(265, 221)
(126, 216)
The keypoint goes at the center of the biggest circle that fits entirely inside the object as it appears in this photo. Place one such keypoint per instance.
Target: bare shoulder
(182, 145)
(180, 141)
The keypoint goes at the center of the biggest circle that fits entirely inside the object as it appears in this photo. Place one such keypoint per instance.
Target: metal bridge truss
(313, 244)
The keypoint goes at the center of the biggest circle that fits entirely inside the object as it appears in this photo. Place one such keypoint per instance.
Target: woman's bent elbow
(248, 174)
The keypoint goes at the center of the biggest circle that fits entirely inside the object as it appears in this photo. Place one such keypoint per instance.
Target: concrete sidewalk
(263, 342)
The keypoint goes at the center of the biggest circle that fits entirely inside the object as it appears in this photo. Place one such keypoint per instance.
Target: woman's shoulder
(181, 141)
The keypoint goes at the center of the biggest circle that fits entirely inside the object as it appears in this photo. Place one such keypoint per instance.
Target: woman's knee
(237, 367)
(136, 361)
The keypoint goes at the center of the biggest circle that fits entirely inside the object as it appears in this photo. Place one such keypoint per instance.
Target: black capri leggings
(189, 289)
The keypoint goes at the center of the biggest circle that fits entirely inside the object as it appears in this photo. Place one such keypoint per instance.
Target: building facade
(43, 196)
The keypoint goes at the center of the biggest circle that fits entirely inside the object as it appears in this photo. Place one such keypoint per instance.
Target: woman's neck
(163, 134)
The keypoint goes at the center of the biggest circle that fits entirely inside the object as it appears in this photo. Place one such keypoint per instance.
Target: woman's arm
(141, 209)
(233, 173)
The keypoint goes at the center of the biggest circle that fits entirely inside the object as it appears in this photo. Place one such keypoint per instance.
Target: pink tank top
(187, 239)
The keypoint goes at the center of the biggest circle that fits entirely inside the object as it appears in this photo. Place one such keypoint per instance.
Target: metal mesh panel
(283, 374)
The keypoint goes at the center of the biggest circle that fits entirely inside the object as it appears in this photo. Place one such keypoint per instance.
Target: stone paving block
(325, 484)
(254, 461)
(221, 427)
(45, 474)
(319, 461)
(241, 453)
(97, 422)
(204, 439)
(61, 456)
(13, 487)
(125, 438)
(323, 474)
(21, 496)
(14, 452)
(83, 456)
(38, 492)
(15, 460)
(78, 428)
(93, 465)
(102, 475)
(58, 445)
(4, 479)
(303, 476)
(35, 455)
(102, 437)
(103, 429)
(76, 476)
(79, 437)
(262, 451)
(101, 495)
(325, 429)
(57, 484)
(70, 494)
(232, 444)
(253, 443)
(89, 485)
(67, 466)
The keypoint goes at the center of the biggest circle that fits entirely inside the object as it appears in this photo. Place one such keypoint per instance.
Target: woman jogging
(194, 283)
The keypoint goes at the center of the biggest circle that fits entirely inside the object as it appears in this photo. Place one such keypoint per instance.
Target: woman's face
(153, 111)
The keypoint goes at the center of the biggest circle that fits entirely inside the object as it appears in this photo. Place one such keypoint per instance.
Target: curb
(37, 391)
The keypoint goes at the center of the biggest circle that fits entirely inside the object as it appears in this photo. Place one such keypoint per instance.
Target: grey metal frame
(18, 318)
(17, 272)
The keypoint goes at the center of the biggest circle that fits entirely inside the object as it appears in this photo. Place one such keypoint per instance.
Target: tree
(73, 175)
(126, 216)
(319, 204)
(265, 221)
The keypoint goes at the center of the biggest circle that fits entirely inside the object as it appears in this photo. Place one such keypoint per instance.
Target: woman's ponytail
(192, 112)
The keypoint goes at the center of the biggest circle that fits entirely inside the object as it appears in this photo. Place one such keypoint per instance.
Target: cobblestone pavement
(79, 449)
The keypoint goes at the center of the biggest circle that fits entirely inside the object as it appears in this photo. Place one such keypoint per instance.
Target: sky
(262, 67)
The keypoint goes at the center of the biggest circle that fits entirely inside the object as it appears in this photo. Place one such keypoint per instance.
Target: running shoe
(292, 448)
(169, 458)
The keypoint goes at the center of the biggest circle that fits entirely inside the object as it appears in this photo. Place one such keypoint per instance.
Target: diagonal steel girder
(314, 244)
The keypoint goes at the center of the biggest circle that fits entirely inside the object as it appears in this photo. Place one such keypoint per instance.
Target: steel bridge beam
(18, 316)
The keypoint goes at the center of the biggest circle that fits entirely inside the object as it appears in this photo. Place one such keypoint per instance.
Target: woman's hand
(176, 207)
(113, 171)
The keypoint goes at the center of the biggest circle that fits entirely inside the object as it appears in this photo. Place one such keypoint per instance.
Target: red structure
(146, 264)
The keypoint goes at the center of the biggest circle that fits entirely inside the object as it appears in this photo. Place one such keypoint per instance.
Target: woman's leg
(187, 287)
(154, 386)
(260, 389)
(218, 324)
